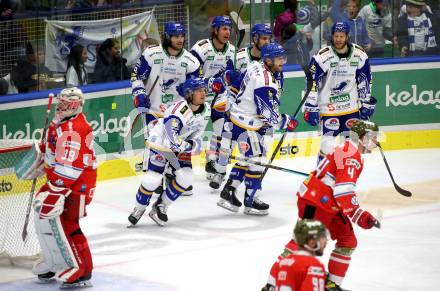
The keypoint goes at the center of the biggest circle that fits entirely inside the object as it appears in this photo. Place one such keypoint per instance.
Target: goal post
(14, 198)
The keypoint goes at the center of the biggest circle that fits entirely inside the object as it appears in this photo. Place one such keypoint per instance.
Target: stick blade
(402, 191)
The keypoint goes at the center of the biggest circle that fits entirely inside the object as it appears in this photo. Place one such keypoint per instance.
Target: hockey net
(14, 199)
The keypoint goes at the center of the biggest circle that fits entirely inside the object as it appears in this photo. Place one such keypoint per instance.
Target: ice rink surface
(206, 248)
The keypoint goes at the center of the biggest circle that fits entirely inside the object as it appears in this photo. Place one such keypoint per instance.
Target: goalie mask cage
(14, 199)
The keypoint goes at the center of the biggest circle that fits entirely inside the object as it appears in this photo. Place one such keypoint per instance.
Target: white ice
(206, 248)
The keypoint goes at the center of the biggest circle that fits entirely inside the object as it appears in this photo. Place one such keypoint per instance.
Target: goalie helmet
(307, 229)
(70, 102)
(187, 88)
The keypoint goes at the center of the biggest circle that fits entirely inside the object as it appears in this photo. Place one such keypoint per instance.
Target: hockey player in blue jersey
(255, 111)
(213, 54)
(341, 91)
(172, 139)
(261, 35)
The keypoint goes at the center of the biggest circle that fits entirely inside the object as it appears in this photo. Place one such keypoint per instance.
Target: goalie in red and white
(70, 167)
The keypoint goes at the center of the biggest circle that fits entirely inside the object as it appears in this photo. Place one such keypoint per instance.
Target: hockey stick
(401, 191)
(270, 166)
(122, 147)
(309, 79)
(236, 35)
(34, 182)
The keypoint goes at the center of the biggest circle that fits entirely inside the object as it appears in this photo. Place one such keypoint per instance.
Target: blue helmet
(341, 26)
(261, 29)
(173, 28)
(272, 50)
(221, 21)
(190, 85)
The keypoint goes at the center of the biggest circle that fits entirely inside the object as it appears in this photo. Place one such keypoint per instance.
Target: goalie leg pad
(80, 262)
(52, 259)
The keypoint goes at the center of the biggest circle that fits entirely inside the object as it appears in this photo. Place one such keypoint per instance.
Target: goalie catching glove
(49, 202)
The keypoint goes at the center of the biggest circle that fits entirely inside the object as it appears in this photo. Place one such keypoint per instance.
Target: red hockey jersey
(332, 185)
(300, 271)
(69, 156)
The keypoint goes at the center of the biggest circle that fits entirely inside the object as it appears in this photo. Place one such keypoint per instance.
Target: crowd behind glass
(400, 28)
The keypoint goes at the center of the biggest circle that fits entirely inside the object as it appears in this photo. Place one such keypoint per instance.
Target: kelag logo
(5, 186)
(289, 150)
(414, 96)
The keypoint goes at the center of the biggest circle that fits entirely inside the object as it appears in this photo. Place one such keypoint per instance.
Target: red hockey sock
(337, 267)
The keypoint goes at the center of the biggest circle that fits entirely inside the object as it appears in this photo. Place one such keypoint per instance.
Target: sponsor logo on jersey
(405, 98)
(184, 109)
(353, 162)
(332, 65)
(158, 61)
(349, 123)
(316, 271)
(210, 58)
(340, 98)
(332, 123)
(354, 64)
(5, 186)
(324, 199)
(184, 65)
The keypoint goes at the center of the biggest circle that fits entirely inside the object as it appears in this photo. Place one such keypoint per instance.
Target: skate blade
(188, 193)
(227, 205)
(45, 281)
(252, 211)
(156, 219)
(82, 284)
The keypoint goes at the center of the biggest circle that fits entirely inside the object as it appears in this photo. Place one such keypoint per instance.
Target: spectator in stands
(417, 31)
(378, 20)
(285, 21)
(76, 74)
(110, 66)
(358, 29)
(30, 73)
(7, 9)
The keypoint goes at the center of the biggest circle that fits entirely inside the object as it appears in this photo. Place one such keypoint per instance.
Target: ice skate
(159, 212)
(228, 200)
(257, 207)
(135, 215)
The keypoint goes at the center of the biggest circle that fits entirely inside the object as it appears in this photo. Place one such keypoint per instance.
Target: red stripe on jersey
(266, 77)
(177, 106)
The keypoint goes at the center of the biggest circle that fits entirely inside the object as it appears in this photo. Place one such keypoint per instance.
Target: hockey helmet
(219, 21)
(340, 26)
(362, 127)
(187, 88)
(261, 29)
(272, 50)
(307, 229)
(70, 102)
(173, 29)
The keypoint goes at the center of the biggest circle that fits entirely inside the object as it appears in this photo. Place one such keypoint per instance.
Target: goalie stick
(124, 140)
(309, 79)
(34, 182)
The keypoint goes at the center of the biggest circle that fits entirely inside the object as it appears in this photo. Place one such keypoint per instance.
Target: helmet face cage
(70, 102)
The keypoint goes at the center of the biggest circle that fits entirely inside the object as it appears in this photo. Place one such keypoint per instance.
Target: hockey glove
(363, 218)
(367, 108)
(311, 114)
(217, 86)
(290, 122)
(49, 202)
(233, 79)
(141, 100)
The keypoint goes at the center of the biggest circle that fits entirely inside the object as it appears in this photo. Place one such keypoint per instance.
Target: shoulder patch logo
(203, 42)
(324, 50)
(184, 109)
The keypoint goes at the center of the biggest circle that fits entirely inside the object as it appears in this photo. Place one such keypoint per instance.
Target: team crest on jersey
(349, 123)
(354, 201)
(244, 146)
(59, 182)
(332, 123)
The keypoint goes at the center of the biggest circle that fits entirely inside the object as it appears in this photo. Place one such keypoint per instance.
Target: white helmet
(70, 102)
